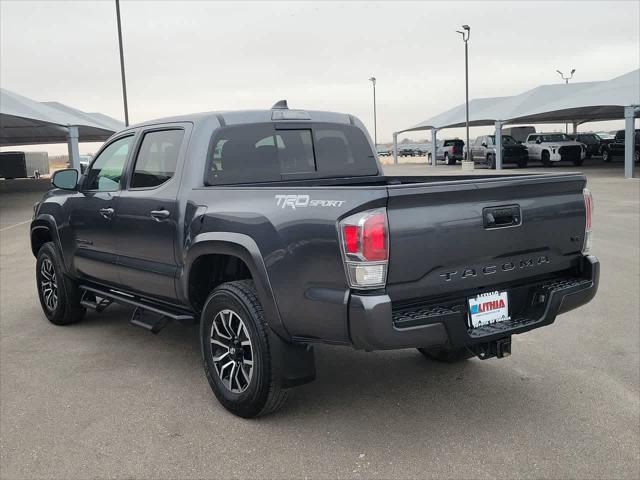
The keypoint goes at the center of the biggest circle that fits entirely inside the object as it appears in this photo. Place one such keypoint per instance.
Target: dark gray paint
(294, 255)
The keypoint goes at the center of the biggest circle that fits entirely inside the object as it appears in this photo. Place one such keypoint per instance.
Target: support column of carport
(72, 145)
(395, 148)
(434, 145)
(498, 134)
(629, 140)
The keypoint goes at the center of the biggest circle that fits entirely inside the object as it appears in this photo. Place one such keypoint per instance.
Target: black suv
(616, 148)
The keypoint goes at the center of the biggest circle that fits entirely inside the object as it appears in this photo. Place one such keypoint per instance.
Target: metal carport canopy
(24, 121)
(577, 102)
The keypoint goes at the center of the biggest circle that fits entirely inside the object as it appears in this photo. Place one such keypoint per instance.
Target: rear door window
(157, 158)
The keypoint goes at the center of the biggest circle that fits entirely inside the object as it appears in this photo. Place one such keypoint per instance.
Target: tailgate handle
(504, 216)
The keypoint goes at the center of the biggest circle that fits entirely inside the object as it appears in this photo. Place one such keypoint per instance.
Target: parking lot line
(14, 225)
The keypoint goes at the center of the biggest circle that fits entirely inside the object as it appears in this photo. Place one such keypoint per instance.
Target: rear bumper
(376, 324)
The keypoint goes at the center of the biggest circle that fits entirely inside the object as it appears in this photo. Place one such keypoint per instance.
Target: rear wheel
(447, 355)
(606, 155)
(578, 161)
(59, 295)
(637, 156)
(237, 353)
(450, 160)
(522, 163)
(546, 159)
(491, 161)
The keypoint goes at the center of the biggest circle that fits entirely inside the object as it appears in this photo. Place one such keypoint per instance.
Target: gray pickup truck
(276, 230)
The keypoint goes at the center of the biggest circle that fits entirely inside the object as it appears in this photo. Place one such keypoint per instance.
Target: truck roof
(254, 116)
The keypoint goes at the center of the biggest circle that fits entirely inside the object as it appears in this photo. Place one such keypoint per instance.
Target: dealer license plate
(487, 308)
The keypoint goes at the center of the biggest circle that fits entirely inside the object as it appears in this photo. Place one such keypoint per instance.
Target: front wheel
(637, 156)
(546, 159)
(522, 163)
(59, 295)
(236, 351)
(606, 155)
(447, 355)
(491, 161)
(578, 162)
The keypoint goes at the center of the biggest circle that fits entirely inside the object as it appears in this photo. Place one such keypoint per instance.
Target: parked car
(550, 148)
(407, 152)
(286, 237)
(450, 151)
(520, 134)
(592, 142)
(483, 151)
(616, 147)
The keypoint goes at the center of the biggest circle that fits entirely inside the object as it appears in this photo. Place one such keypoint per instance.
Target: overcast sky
(186, 57)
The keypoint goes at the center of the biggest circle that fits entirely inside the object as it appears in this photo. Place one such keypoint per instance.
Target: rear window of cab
(268, 152)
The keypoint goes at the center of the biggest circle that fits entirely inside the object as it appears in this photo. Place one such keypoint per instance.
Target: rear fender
(245, 248)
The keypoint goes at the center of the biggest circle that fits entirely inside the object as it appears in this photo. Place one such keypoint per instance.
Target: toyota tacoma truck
(550, 148)
(276, 230)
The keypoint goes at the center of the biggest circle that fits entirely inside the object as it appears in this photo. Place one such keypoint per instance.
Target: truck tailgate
(442, 239)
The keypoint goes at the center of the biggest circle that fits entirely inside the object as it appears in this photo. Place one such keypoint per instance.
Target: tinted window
(157, 158)
(555, 137)
(106, 171)
(343, 150)
(260, 153)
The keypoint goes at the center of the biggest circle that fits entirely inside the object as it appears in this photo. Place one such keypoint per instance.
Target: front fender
(48, 222)
(245, 248)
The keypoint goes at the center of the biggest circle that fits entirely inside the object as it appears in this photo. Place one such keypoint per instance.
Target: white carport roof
(24, 121)
(579, 102)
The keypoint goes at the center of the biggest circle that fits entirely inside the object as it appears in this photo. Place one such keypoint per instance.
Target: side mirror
(65, 179)
(484, 144)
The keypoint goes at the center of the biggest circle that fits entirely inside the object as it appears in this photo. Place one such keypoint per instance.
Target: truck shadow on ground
(388, 386)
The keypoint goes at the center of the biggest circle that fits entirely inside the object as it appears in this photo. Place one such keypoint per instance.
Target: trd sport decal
(301, 201)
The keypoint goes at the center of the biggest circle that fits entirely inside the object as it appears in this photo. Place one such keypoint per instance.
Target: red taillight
(365, 247)
(374, 237)
(350, 235)
(588, 212)
(588, 208)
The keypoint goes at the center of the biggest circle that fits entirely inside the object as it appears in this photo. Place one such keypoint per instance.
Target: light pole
(466, 33)
(124, 82)
(566, 81)
(375, 121)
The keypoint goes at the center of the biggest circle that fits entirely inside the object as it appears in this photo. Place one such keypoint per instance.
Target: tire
(637, 156)
(59, 295)
(522, 163)
(546, 159)
(445, 355)
(250, 386)
(578, 162)
(491, 161)
(606, 155)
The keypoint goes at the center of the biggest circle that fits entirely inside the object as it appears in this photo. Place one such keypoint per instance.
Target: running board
(107, 296)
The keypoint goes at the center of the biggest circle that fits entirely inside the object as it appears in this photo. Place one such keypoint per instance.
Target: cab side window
(157, 158)
(107, 169)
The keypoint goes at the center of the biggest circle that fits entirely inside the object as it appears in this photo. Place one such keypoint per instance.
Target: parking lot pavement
(103, 399)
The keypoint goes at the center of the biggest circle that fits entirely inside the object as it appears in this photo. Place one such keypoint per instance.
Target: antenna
(280, 105)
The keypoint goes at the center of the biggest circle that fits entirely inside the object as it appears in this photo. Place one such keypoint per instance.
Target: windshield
(555, 137)
(605, 136)
(506, 140)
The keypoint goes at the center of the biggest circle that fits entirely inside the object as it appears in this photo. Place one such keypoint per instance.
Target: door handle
(159, 215)
(107, 212)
